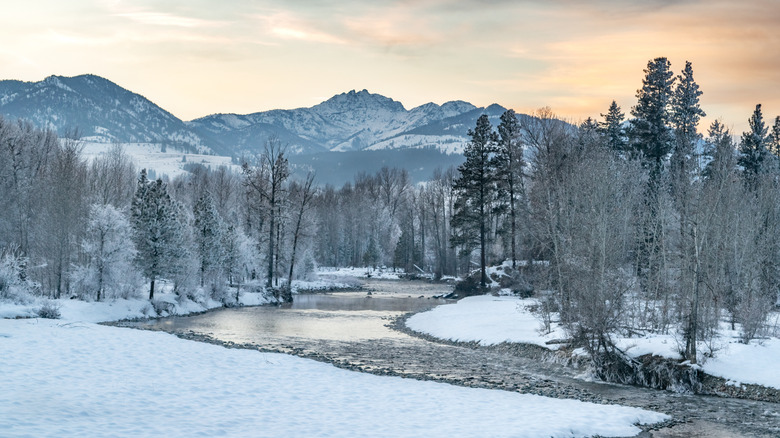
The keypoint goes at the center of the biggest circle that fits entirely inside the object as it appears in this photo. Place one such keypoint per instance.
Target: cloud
(164, 19)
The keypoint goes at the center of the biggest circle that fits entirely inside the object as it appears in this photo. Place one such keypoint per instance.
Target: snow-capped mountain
(353, 121)
(102, 111)
(98, 109)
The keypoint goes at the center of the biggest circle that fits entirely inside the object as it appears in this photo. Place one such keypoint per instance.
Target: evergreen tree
(651, 134)
(719, 152)
(686, 113)
(157, 233)
(753, 152)
(774, 138)
(474, 190)
(612, 128)
(510, 165)
(209, 231)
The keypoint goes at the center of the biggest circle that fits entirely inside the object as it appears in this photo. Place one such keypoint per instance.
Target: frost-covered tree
(719, 153)
(612, 128)
(158, 230)
(63, 220)
(108, 246)
(474, 190)
(209, 230)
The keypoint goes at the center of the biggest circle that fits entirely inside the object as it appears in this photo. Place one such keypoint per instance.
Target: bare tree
(267, 181)
(303, 197)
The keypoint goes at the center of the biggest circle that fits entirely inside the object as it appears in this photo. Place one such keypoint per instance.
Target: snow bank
(114, 310)
(381, 273)
(748, 363)
(81, 379)
(485, 319)
(492, 320)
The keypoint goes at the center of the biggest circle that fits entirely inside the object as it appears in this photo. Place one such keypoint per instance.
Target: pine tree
(157, 232)
(474, 192)
(753, 152)
(209, 231)
(510, 166)
(686, 113)
(612, 128)
(774, 138)
(719, 152)
(651, 134)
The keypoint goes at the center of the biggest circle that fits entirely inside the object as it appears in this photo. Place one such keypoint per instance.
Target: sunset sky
(198, 57)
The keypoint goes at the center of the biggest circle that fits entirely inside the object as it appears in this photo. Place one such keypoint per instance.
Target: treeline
(101, 229)
(642, 225)
(621, 225)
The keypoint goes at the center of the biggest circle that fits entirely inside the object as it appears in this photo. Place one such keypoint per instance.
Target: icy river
(364, 331)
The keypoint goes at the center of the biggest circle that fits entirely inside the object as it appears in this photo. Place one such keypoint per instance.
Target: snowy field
(149, 156)
(491, 320)
(73, 378)
(80, 379)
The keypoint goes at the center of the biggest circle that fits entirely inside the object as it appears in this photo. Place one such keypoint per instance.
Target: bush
(49, 310)
(467, 287)
(163, 307)
(516, 282)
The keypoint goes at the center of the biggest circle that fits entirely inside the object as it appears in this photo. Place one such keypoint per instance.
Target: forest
(638, 224)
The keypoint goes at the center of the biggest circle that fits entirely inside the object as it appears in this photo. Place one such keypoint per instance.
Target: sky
(199, 57)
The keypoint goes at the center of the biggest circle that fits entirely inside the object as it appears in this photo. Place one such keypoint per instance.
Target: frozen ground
(71, 377)
(80, 379)
(491, 320)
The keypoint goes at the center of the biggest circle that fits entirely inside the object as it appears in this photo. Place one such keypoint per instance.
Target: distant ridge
(102, 111)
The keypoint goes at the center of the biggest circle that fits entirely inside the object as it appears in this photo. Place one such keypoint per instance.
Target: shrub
(49, 310)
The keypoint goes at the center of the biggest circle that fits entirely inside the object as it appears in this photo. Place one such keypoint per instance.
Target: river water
(353, 330)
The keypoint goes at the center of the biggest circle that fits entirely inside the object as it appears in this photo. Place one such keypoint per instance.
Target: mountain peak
(359, 100)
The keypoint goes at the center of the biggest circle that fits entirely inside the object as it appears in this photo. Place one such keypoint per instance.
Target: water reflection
(334, 317)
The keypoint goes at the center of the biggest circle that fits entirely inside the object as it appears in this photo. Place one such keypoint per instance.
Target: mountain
(98, 109)
(352, 121)
(102, 111)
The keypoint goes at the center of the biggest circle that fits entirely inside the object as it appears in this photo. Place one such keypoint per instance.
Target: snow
(148, 156)
(485, 319)
(82, 379)
(490, 320)
(755, 363)
(380, 273)
(116, 309)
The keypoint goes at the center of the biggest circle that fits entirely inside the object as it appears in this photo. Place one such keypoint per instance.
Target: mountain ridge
(103, 111)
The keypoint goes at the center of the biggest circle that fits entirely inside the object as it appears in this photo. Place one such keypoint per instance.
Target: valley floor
(69, 377)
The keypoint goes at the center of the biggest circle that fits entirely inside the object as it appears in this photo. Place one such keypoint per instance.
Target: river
(360, 331)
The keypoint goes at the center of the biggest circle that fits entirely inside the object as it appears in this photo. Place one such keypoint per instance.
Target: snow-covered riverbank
(71, 377)
(491, 320)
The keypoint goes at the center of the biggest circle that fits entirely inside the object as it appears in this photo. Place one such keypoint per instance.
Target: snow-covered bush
(49, 310)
